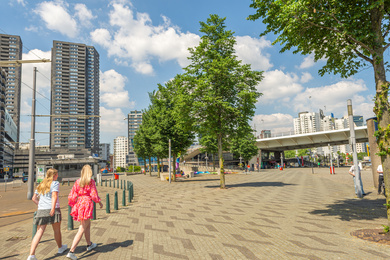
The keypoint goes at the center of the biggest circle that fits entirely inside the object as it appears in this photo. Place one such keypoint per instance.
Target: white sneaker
(32, 257)
(92, 246)
(71, 256)
(62, 249)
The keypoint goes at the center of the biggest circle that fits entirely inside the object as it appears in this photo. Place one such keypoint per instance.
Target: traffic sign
(6, 169)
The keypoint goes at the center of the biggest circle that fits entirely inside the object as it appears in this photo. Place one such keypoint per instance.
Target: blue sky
(144, 42)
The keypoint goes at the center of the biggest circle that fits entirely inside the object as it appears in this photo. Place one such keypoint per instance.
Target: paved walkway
(290, 214)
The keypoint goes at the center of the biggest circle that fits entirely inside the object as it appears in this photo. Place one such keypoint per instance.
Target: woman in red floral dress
(81, 200)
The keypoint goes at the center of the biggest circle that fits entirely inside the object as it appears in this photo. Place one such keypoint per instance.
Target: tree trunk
(145, 165)
(174, 167)
(150, 166)
(381, 108)
(158, 166)
(220, 155)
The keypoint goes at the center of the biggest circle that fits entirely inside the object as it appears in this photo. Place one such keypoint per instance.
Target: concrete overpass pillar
(375, 159)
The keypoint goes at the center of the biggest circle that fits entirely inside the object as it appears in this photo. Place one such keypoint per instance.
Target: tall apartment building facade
(307, 122)
(8, 129)
(120, 151)
(11, 48)
(104, 152)
(134, 119)
(75, 97)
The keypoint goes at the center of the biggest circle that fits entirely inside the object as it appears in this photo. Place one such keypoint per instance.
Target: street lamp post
(31, 160)
(207, 166)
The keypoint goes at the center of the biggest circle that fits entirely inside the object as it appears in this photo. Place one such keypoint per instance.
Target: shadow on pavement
(252, 184)
(355, 209)
(81, 253)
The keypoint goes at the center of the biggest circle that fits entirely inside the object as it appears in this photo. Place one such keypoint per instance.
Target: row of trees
(214, 99)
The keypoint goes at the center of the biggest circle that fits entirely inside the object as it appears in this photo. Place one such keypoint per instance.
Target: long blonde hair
(86, 175)
(44, 186)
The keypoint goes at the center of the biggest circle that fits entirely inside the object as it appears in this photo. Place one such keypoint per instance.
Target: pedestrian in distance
(379, 170)
(49, 212)
(352, 171)
(81, 199)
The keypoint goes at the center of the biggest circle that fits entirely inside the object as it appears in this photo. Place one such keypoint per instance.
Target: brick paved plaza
(289, 214)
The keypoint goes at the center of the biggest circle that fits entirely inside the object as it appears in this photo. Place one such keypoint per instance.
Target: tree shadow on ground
(355, 209)
(81, 253)
(253, 184)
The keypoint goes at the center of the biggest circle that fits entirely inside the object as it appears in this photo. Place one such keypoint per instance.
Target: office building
(75, 97)
(120, 151)
(134, 119)
(104, 152)
(11, 48)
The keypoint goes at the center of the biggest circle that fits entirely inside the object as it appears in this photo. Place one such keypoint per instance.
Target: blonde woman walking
(46, 198)
(81, 199)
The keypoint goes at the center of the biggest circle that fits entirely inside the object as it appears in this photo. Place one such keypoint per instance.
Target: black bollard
(108, 203)
(34, 231)
(70, 219)
(123, 197)
(116, 201)
(94, 211)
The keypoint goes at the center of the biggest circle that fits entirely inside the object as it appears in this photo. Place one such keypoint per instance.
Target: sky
(143, 43)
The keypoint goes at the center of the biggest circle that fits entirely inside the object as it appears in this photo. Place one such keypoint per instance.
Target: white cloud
(133, 36)
(56, 17)
(334, 97)
(278, 85)
(249, 50)
(111, 121)
(84, 14)
(112, 86)
(43, 75)
(31, 28)
(308, 62)
(112, 81)
(277, 123)
(118, 99)
(306, 77)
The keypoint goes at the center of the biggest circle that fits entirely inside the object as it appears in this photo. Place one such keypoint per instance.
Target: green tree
(350, 35)
(223, 90)
(290, 154)
(244, 144)
(173, 102)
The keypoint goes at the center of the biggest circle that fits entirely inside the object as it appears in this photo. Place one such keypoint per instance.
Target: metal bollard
(110, 183)
(116, 201)
(70, 219)
(105, 181)
(101, 182)
(129, 194)
(94, 211)
(68, 183)
(117, 183)
(34, 231)
(123, 197)
(114, 183)
(108, 203)
(121, 184)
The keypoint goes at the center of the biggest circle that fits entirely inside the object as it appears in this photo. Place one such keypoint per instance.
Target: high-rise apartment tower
(134, 121)
(75, 97)
(11, 49)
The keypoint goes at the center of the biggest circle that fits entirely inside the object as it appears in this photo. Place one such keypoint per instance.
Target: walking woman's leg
(37, 238)
(57, 233)
(78, 236)
(87, 231)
